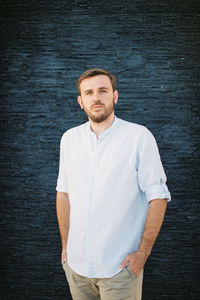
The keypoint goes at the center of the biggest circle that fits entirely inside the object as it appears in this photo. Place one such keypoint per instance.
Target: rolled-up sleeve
(62, 185)
(151, 175)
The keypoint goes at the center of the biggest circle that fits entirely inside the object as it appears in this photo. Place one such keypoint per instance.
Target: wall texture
(153, 48)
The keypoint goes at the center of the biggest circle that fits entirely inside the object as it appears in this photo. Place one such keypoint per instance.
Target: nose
(96, 96)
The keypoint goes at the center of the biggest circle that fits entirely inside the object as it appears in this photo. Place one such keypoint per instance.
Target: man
(111, 196)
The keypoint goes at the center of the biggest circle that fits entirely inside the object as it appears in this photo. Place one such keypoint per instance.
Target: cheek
(86, 104)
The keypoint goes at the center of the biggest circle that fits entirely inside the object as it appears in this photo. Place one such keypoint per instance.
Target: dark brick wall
(153, 48)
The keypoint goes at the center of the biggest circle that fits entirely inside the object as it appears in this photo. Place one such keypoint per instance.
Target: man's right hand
(64, 256)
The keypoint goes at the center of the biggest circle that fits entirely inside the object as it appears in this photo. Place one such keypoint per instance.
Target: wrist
(146, 251)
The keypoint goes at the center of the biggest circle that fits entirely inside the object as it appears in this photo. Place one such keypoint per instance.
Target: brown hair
(94, 72)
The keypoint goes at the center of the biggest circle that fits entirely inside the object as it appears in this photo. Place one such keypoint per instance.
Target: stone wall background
(153, 49)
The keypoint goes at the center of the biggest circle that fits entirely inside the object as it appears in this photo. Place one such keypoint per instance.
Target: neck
(97, 128)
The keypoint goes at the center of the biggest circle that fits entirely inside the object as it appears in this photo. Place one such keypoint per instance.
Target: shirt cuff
(158, 191)
(61, 185)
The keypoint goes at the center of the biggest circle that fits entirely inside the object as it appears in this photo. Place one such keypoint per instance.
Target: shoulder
(136, 133)
(74, 132)
(134, 128)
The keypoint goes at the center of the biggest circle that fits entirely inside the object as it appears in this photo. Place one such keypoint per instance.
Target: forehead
(95, 82)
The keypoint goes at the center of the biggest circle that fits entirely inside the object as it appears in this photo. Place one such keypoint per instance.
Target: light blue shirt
(110, 181)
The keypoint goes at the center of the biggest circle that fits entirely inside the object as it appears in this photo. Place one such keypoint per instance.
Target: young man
(111, 196)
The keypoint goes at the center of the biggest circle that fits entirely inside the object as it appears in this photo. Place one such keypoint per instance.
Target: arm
(154, 220)
(63, 213)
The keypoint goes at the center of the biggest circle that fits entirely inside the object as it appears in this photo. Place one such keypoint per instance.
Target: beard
(99, 116)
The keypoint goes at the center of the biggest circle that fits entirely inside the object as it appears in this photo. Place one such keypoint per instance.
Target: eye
(89, 93)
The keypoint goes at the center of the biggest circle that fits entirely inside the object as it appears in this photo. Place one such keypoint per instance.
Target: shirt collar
(106, 131)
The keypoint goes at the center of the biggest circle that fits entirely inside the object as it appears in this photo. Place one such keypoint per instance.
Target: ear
(116, 95)
(79, 100)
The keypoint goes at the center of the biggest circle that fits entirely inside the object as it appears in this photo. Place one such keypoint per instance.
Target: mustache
(96, 103)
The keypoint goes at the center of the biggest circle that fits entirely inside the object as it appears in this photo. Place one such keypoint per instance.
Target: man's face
(97, 97)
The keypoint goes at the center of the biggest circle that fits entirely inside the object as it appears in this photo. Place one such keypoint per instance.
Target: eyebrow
(100, 88)
(86, 91)
(103, 88)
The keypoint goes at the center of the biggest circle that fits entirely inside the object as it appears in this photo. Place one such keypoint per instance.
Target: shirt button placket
(90, 225)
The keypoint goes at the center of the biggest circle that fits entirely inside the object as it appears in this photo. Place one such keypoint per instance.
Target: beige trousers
(122, 286)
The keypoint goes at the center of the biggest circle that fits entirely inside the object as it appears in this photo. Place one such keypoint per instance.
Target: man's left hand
(136, 261)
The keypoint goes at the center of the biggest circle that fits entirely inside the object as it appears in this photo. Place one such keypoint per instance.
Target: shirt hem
(109, 275)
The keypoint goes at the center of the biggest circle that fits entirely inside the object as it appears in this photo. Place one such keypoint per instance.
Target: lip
(97, 106)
